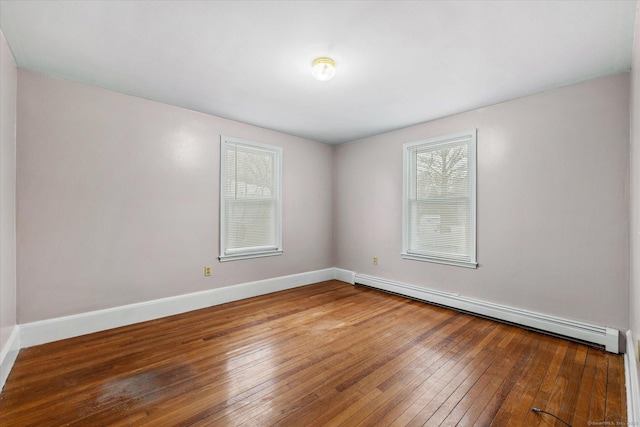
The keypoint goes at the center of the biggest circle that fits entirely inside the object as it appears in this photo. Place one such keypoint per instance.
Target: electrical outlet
(375, 260)
(207, 270)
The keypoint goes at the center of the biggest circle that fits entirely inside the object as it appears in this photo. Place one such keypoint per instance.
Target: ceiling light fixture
(323, 69)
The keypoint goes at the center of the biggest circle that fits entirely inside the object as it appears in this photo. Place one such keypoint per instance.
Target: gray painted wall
(8, 85)
(118, 200)
(635, 189)
(553, 204)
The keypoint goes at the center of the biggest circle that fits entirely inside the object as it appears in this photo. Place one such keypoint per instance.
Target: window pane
(442, 173)
(440, 229)
(440, 198)
(250, 174)
(250, 200)
(251, 223)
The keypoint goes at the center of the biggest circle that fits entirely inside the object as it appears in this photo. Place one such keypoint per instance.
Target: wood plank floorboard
(325, 354)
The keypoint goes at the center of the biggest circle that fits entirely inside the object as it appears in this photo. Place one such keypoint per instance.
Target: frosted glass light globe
(323, 69)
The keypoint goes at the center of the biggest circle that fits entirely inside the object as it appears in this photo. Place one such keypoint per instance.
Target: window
(439, 200)
(250, 199)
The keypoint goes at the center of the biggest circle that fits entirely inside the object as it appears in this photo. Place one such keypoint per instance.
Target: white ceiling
(398, 63)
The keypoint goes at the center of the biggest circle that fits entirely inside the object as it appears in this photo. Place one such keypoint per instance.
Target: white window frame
(249, 252)
(408, 148)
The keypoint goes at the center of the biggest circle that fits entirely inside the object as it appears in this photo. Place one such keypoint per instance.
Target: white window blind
(250, 199)
(439, 200)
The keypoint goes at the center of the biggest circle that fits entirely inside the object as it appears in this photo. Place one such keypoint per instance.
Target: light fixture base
(323, 69)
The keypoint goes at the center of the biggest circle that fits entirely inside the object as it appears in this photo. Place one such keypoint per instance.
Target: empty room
(310, 213)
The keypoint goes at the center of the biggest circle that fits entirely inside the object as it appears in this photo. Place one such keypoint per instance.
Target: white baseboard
(631, 382)
(35, 333)
(8, 354)
(344, 275)
(49, 330)
(596, 334)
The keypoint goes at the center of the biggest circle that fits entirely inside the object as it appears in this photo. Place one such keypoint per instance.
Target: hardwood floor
(324, 354)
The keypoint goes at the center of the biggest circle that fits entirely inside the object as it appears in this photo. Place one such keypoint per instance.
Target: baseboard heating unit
(588, 333)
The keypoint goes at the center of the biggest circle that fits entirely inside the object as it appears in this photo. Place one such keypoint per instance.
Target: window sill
(416, 257)
(226, 258)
